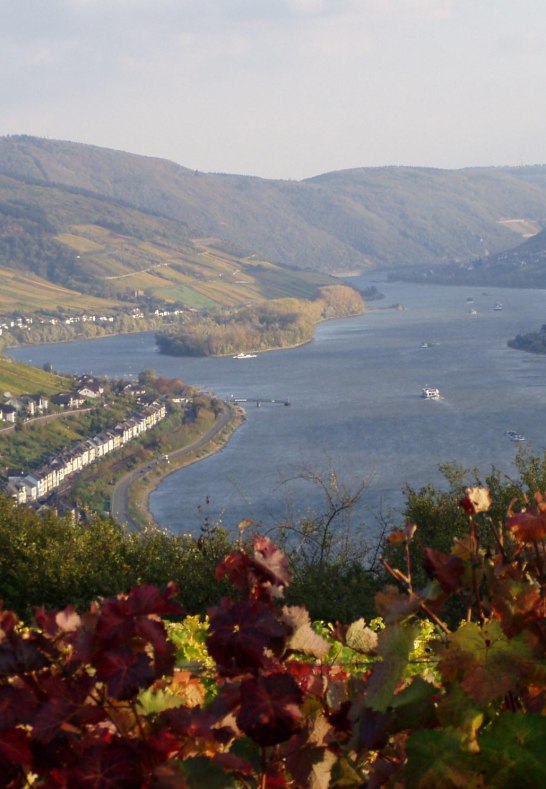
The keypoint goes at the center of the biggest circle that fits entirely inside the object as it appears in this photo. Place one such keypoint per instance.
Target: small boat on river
(513, 436)
(245, 356)
(431, 393)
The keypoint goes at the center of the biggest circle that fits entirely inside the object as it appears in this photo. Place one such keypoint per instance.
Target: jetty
(258, 400)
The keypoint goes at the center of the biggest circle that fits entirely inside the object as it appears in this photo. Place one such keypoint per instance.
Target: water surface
(355, 402)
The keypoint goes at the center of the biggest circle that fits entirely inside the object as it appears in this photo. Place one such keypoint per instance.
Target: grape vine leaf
(303, 638)
(394, 647)
(512, 750)
(484, 661)
(270, 708)
(242, 634)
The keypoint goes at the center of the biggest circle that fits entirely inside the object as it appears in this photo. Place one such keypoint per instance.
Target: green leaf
(436, 760)
(201, 771)
(513, 751)
(152, 702)
(394, 647)
(414, 704)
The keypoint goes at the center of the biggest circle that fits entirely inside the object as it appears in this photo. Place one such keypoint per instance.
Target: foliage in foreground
(99, 701)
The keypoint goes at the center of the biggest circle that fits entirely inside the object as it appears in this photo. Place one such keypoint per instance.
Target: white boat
(245, 356)
(472, 312)
(497, 307)
(513, 436)
(430, 393)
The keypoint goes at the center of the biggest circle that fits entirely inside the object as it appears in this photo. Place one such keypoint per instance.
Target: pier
(258, 400)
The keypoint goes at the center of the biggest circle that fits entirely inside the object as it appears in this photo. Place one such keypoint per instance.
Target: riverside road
(120, 494)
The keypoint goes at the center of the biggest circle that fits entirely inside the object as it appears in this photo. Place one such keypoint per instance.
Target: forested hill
(523, 266)
(346, 220)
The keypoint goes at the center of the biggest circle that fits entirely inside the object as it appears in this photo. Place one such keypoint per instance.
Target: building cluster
(39, 484)
(27, 322)
(27, 406)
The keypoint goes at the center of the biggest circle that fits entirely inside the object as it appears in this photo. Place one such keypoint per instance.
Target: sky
(281, 88)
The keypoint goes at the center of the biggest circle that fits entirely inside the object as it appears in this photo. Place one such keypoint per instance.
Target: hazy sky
(281, 88)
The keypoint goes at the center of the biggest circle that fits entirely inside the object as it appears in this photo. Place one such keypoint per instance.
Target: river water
(355, 403)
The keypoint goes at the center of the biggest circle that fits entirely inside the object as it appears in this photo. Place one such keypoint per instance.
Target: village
(35, 486)
(18, 323)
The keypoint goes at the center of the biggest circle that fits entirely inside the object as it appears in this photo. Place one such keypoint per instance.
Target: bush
(99, 700)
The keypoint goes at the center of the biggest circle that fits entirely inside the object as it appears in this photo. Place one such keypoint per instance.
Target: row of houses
(39, 484)
(27, 322)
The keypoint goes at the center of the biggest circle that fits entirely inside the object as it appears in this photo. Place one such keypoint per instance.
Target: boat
(245, 356)
(429, 344)
(430, 393)
(472, 312)
(470, 300)
(513, 436)
(497, 307)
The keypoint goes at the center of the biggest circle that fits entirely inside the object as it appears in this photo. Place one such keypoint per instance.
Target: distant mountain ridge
(335, 222)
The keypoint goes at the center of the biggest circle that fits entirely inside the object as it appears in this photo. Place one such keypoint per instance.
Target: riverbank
(131, 493)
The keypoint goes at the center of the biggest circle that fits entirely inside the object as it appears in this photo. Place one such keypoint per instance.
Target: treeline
(52, 561)
(279, 323)
(534, 342)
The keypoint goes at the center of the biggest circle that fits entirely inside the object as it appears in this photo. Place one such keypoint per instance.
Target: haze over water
(355, 402)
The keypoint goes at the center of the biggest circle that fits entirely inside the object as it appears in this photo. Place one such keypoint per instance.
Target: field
(196, 274)
(21, 292)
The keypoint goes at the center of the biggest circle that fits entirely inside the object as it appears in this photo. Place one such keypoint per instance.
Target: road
(120, 494)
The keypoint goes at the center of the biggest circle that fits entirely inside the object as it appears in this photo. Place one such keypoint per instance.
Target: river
(355, 403)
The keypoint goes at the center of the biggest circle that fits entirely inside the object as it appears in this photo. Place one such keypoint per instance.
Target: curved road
(120, 494)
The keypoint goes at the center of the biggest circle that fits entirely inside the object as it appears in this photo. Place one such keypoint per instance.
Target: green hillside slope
(335, 222)
(18, 378)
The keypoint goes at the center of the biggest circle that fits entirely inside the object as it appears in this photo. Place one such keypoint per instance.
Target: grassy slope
(19, 378)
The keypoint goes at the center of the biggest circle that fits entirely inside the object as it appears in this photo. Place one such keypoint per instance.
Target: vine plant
(100, 701)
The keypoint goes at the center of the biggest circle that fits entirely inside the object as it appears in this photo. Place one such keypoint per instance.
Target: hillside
(523, 266)
(18, 378)
(64, 249)
(347, 220)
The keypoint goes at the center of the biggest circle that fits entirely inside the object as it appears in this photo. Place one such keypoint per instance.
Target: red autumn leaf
(112, 766)
(146, 599)
(270, 711)
(8, 620)
(125, 672)
(66, 621)
(264, 573)
(446, 568)
(396, 537)
(270, 562)
(64, 703)
(20, 657)
(17, 705)
(117, 618)
(240, 634)
(15, 747)
(528, 526)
